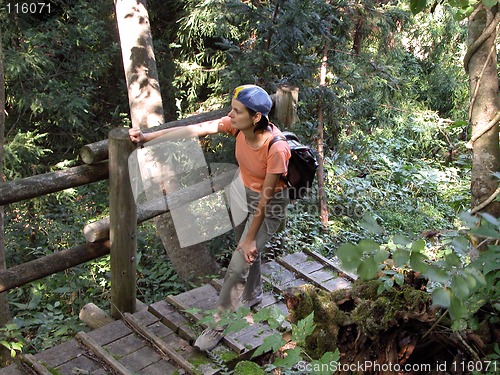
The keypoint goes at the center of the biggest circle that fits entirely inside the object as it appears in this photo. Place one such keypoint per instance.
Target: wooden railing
(40, 185)
(115, 234)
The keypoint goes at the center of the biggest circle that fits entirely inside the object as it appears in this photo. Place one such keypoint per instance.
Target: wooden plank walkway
(159, 339)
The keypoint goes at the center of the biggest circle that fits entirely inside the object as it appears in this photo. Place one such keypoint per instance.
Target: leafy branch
(456, 283)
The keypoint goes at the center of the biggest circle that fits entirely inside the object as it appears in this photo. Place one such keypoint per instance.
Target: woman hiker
(260, 170)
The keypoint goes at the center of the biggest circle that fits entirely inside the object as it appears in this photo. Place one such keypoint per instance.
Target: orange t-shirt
(256, 163)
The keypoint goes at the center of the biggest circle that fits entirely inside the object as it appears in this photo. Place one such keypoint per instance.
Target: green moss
(374, 315)
(328, 318)
(304, 295)
(371, 313)
(228, 356)
(247, 368)
(53, 371)
(365, 289)
(322, 340)
(199, 360)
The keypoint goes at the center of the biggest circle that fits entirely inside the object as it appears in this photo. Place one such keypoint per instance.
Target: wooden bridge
(158, 340)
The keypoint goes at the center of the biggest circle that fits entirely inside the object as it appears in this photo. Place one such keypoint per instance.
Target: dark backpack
(301, 166)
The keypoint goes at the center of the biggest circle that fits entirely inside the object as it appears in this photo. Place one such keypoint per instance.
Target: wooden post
(285, 111)
(123, 225)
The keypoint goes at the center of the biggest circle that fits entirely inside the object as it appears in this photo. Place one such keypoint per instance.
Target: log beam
(99, 230)
(98, 151)
(94, 317)
(56, 262)
(39, 185)
(94, 152)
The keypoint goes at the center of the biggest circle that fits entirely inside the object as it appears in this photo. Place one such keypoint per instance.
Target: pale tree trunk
(146, 111)
(323, 204)
(4, 305)
(481, 64)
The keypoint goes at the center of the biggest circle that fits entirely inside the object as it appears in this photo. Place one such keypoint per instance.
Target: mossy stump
(396, 327)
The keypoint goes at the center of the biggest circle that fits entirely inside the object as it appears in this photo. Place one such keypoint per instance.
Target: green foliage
(59, 72)
(220, 44)
(43, 225)
(46, 323)
(462, 8)
(296, 356)
(275, 318)
(156, 276)
(458, 284)
(12, 339)
(22, 154)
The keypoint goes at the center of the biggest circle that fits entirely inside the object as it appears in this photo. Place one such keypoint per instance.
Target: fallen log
(98, 151)
(39, 185)
(358, 320)
(94, 317)
(56, 262)
(99, 230)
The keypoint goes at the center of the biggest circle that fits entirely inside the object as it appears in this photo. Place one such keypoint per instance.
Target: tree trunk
(323, 204)
(481, 64)
(358, 35)
(146, 108)
(4, 304)
(146, 111)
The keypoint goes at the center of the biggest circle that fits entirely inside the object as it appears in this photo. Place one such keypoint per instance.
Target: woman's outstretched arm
(190, 131)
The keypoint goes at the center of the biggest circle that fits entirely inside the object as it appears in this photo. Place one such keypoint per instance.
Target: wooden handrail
(25, 273)
(42, 184)
(98, 151)
(39, 185)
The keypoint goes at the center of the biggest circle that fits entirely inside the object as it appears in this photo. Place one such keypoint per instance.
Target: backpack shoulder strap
(276, 139)
(273, 141)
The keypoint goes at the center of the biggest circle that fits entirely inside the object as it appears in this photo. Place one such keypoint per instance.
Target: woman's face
(240, 117)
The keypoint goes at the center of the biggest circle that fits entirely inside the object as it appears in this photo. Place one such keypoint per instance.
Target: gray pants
(243, 280)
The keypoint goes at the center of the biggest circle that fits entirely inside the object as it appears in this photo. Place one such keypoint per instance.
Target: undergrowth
(45, 312)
